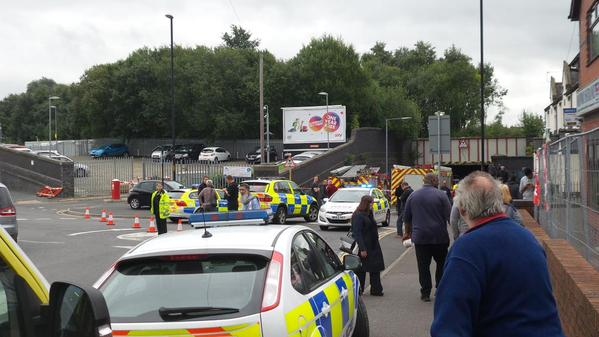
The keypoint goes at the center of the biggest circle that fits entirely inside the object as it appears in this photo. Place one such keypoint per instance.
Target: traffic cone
(136, 223)
(110, 220)
(103, 219)
(180, 225)
(152, 228)
(87, 216)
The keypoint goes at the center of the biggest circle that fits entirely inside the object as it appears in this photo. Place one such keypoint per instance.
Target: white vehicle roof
(233, 238)
(211, 148)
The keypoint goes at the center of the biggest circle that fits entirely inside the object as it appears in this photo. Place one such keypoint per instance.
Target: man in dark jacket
(496, 281)
(426, 217)
(402, 194)
(232, 194)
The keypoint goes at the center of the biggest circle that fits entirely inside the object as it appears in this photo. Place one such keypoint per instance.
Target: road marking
(103, 230)
(50, 242)
(124, 247)
(139, 236)
(42, 219)
(22, 219)
(68, 218)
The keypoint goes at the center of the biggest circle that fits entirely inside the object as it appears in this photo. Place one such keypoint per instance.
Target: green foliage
(239, 38)
(532, 125)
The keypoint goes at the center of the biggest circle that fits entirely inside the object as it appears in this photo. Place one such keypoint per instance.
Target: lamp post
(267, 116)
(50, 98)
(170, 17)
(55, 126)
(439, 114)
(482, 93)
(387, 140)
(326, 95)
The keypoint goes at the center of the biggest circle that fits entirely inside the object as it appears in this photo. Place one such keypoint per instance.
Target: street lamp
(170, 17)
(50, 98)
(267, 116)
(55, 125)
(326, 95)
(439, 114)
(387, 140)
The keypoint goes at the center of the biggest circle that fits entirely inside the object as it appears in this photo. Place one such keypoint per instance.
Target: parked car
(112, 150)
(337, 211)
(17, 147)
(141, 194)
(47, 153)
(160, 150)
(185, 152)
(31, 307)
(79, 170)
(300, 157)
(214, 154)
(267, 281)
(254, 157)
(8, 212)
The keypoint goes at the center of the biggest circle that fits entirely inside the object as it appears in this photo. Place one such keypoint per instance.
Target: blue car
(112, 150)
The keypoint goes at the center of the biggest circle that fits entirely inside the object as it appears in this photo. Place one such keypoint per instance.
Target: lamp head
(53, 97)
(324, 93)
(169, 16)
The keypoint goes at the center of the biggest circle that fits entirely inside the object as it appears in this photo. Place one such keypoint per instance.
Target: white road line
(42, 219)
(68, 218)
(103, 230)
(50, 242)
(22, 219)
(124, 247)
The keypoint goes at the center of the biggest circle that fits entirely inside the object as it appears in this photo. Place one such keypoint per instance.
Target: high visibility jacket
(164, 205)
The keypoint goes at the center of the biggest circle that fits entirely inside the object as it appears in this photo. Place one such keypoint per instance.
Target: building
(586, 13)
(560, 114)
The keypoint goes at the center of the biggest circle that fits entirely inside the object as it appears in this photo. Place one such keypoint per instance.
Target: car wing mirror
(78, 311)
(352, 262)
(325, 200)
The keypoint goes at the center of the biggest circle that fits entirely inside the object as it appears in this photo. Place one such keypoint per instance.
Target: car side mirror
(352, 262)
(325, 200)
(78, 311)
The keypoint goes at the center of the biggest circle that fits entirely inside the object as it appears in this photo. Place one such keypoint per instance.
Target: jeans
(376, 287)
(424, 254)
(399, 223)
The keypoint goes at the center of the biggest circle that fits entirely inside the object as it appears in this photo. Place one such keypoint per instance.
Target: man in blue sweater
(426, 216)
(496, 282)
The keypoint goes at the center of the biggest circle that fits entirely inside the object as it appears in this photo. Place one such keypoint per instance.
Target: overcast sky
(526, 41)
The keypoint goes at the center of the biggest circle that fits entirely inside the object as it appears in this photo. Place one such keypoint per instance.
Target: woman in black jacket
(365, 232)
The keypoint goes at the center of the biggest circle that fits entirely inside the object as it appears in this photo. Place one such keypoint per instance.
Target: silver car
(8, 212)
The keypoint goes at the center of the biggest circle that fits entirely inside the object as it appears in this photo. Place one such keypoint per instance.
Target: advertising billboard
(314, 124)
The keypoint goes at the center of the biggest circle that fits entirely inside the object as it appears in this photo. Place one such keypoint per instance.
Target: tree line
(217, 91)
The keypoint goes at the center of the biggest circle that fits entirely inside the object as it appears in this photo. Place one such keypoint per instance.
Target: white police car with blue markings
(240, 281)
(338, 209)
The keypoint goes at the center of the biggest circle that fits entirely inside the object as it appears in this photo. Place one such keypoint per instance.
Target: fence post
(568, 181)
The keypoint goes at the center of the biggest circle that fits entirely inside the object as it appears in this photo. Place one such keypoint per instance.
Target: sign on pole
(434, 130)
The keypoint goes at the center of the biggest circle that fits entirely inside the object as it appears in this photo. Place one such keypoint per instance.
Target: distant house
(560, 114)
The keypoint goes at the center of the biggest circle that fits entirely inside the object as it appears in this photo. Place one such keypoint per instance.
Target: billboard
(314, 124)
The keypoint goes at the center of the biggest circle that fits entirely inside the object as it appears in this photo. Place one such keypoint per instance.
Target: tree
(532, 125)
(239, 38)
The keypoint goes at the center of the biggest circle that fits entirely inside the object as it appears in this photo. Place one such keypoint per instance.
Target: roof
(233, 238)
(353, 172)
(574, 10)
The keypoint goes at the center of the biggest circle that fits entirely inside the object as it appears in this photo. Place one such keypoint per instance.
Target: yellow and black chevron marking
(398, 175)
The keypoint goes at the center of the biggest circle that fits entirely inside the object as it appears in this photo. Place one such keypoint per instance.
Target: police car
(244, 281)
(286, 199)
(337, 210)
(30, 307)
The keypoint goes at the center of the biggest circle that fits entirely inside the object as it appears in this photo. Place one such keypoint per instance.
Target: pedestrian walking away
(249, 202)
(426, 217)
(496, 282)
(208, 197)
(160, 204)
(402, 194)
(232, 194)
(365, 232)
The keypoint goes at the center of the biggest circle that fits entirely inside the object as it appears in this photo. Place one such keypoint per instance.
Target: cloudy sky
(526, 41)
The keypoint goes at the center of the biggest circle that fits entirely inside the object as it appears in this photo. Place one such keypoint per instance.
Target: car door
(145, 192)
(316, 273)
(300, 200)
(284, 190)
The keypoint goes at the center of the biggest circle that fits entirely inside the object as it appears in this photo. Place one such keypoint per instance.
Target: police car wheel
(281, 215)
(362, 328)
(387, 219)
(312, 214)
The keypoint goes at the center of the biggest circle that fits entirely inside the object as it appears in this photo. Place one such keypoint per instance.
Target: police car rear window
(258, 187)
(138, 289)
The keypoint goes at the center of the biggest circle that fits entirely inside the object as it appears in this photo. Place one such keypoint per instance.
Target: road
(65, 246)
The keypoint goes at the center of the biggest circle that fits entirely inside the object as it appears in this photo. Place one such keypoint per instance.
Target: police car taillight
(272, 286)
(264, 197)
(181, 203)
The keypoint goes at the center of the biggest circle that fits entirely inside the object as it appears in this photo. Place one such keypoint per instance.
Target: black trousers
(375, 281)
(424, 254)
(161, 225)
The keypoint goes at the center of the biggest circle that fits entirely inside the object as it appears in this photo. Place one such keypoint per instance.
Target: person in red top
(331, 188)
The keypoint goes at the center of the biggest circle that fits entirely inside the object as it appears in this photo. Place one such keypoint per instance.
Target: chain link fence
(568, 172)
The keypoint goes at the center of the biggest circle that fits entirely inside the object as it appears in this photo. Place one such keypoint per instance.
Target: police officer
(160, 207)
(232, 194)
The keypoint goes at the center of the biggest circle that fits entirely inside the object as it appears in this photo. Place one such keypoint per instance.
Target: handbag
(348, 244)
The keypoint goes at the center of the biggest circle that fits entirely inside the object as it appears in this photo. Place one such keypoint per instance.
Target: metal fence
(568, 172)
(93, 177)
(193, 172)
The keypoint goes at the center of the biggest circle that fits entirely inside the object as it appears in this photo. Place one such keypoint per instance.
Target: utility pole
(482, 93)
(262, 154)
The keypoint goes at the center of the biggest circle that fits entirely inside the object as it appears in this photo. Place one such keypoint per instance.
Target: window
(307, 263)
(593, 31)
(328, 258)
(296, 189)
(282, 187)
(9, 306)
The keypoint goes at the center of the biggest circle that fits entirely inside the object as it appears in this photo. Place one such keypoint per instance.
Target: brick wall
(575, 283)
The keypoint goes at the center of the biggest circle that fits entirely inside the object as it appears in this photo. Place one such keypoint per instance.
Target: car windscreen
(175, 195)
(196, 287)
(208, 151)
(257, 187)
(173, 185)
(343, 195)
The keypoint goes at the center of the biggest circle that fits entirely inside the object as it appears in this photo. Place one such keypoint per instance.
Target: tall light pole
(55, 126)
(326, 95)
(267, 134)
(387, 140)
(439, 114)
(482, 93)
(170, 17)
(50, 98)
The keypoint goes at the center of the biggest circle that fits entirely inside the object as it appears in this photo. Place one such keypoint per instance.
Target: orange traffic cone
(103, 219)
(136, 223)
(110, 220)
(87, 216)
(180, 225)
(152, 228)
